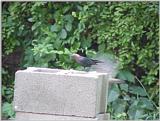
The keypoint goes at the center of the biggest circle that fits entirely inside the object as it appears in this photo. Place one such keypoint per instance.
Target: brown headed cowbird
(84, 61)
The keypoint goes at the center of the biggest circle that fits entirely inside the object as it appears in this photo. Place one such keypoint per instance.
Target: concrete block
(33, 116)
(61, 92)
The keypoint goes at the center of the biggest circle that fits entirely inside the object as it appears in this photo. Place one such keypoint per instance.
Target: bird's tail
(97, 61)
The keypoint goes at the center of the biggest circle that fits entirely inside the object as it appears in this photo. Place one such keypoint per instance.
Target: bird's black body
(87, 62)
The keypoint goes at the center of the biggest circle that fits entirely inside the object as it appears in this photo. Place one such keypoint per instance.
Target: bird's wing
(86, 62)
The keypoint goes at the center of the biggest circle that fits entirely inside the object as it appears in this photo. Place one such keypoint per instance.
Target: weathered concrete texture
(60, 92)
(32, 116)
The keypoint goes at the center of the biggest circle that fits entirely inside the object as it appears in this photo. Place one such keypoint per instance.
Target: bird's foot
(87, 69)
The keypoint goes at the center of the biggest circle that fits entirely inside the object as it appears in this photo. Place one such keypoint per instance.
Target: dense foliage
(43, 34)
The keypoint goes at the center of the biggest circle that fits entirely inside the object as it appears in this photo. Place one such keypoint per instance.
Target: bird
(84, 61)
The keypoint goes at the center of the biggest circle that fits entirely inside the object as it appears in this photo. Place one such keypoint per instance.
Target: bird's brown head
(75, 56)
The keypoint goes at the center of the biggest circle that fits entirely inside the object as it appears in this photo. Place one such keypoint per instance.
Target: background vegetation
(43, 34)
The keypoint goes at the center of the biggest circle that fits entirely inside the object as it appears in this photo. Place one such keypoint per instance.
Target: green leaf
(76, 45)
(36, 25)
(63, 34)
(113, 93)
(137, 90)
(66, 51)
(57, 43)
(135, 113)
(7, 109)
(126, 75)
(74, 14)
(124, 87)
(81, 26)
(68, 26)
(3, 90)
(85, 42)
(126, 97)
(85, 7)
(121, 116)
(4, 71)
(55, 28)
(90, 53)
(101, 47)
(58, 52)
(119, 106)
(146, 103)
(69, 18)
(30, 20)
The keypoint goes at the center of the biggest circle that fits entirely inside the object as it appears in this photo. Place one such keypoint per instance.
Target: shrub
(44, 34)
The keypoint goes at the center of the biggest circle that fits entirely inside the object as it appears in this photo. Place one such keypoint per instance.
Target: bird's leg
(86, 69)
